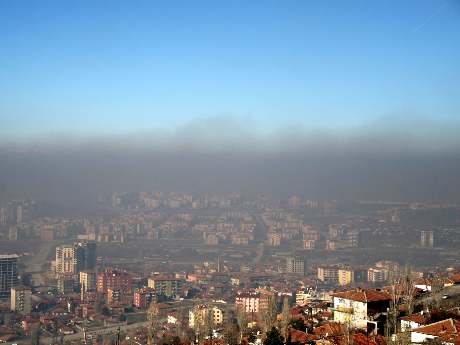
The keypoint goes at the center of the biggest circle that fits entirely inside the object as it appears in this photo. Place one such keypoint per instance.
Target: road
(77, 336)
(34, 264)
(452, 291)
(260, 232)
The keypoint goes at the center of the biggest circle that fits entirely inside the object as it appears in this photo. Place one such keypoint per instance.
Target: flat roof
(9, 256)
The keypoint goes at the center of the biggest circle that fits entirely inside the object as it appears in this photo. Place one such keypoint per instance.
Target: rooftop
(445, 329)
(9, 256)
(364, 296)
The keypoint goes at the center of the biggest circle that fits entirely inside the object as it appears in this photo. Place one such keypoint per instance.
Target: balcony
(343, 309)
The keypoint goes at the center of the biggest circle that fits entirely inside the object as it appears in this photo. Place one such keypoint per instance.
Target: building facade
(8, 274)
(168, 287)
(295, 265)
(21, 299)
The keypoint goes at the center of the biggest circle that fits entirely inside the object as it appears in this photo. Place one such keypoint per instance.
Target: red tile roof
(329, 329)
(448, 329)
(456, 278)
(417, 318)
(300, 337)
(364, 296)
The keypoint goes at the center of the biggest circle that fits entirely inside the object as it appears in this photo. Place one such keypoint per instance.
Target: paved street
(76, 336)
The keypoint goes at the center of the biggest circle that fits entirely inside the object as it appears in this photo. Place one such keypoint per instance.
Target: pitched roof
(329, 329)
(300, 337)
(417, 318)
(364, 296)
(456, 278)
(446, 329)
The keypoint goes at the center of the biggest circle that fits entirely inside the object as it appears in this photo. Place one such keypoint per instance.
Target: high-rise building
(200, 315)
(426, 239)
(166, 286)
(274, 239)
(47, 232)
(295, 265)
(73, 258)
(19, 216)
(66, 259)
(3, 216)
(21, 299)
(86, 255)
(143, 297)
(115, 280)
(377, 274)
(328, 274)
(309, 244)
(88, 280)
(8, 274)
(66, 283)
(346, 276)
(114, 296)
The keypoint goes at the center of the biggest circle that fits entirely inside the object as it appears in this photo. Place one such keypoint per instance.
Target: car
(445, 296)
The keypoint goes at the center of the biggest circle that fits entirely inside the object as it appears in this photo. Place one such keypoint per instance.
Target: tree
(208, 322)
(35, 335)
(274, 337)
(152, 317)
(171, 340)
(297, 324)
(98, 303)
(434, 341)
(410, 290)
(402, 291)
(269, 315)
(105, 311)
(286, 314)
(7, 318)
(242, 321)
(231, 334)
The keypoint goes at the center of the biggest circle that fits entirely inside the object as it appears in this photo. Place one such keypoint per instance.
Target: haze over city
(230, 172)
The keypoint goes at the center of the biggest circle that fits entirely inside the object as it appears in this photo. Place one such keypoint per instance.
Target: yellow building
(346, 276)
(202, 314)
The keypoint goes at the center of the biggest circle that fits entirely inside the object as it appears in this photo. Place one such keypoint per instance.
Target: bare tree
(409, 290)
(402, 291)
(268, 316)
(242, 320)
(153, 318)
(286, 314)
(396, 293)
(209, 321)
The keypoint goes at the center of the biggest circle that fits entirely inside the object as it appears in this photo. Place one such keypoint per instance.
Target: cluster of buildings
(207, 302)
(342, 275)
(223, 262)
(284, 227)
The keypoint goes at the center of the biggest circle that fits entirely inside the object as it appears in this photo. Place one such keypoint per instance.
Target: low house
(447, 331)
(362, 309)
(413, 321)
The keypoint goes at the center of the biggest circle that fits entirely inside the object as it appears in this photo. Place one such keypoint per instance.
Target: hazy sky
(104, 67)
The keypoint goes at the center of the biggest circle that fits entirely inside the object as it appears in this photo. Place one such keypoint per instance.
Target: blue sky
(103, 67)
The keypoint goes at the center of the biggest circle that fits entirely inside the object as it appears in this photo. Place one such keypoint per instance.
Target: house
(413, 321)
(363, 309)
(429, 284)
(448, 331)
